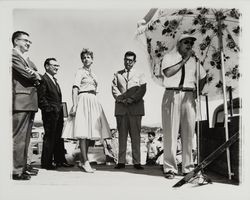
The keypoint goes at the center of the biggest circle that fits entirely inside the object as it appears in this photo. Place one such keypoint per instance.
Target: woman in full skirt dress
(87, 120)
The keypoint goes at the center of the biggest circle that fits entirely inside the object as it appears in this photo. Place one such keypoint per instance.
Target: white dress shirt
(171, 59)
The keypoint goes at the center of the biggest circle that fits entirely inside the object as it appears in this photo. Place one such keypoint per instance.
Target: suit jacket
(133, 87)
(49, 97)
(24, 91)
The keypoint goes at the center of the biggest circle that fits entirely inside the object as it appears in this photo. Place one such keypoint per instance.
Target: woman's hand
(72, 111)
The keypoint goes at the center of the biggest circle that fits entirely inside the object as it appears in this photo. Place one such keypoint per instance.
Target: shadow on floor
(148, 170)
(155, 170)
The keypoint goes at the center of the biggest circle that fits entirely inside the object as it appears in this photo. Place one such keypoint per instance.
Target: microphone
(194, 55)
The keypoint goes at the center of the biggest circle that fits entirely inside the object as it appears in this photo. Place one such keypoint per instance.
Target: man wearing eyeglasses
(178, 104)
(25, 79)
(128, 89)
(50, 103)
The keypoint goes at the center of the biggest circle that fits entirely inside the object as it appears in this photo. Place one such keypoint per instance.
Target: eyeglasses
(129, 60)
(189, 42)
(25, 40)
(54, 65)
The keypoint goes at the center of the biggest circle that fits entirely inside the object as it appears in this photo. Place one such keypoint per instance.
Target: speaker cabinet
(211, 138)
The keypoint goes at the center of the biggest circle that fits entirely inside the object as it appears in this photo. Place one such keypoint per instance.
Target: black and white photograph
(124, 99)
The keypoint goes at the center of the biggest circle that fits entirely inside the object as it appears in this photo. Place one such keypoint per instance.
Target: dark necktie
(57, 86)
(182, 76)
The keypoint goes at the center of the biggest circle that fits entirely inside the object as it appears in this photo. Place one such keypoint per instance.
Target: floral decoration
(216, 30)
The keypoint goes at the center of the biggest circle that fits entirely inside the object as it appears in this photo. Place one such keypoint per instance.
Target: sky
(109, 33)
(61, 29)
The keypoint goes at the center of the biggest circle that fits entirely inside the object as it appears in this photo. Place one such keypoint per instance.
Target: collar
(125, 70)
(50, 76)
(87, 69)
(23, 55)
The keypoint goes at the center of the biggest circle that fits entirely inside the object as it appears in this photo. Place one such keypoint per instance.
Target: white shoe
(86, 167)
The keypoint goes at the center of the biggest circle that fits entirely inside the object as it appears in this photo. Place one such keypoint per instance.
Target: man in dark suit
(25, 78)
(50, 103)
(128, 89)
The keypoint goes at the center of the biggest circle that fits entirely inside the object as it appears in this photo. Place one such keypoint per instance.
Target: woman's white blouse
(85, 80)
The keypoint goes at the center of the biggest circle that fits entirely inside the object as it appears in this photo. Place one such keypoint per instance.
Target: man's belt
(89, 91)
(184, 89)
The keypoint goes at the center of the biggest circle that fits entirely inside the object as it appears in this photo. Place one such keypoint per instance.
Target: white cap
(184, 36)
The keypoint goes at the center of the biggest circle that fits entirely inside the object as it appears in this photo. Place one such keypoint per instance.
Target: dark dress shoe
(169, 175)
(51, 167)
(120, 166)
(64, 165)
(30, 173)
(138, 166)
(31, 169)
(21, 177)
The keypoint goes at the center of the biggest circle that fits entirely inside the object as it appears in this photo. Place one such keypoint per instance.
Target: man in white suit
(178, 104)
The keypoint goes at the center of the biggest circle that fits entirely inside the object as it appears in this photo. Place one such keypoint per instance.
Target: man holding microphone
(178, 104)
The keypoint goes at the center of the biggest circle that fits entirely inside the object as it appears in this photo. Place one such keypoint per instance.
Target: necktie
(57, 86)
(182, 76)
(127, 80)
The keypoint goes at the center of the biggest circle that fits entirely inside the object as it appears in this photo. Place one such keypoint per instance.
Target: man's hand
(38, 76)
(189, 54)
(127, 101)
(119, 99)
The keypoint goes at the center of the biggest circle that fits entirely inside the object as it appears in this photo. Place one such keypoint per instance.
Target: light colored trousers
(129, 124)
(178, 115)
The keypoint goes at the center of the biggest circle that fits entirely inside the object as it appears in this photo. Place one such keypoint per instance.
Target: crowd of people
(87, 120)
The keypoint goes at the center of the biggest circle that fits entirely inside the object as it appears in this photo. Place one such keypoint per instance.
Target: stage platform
(129, 183)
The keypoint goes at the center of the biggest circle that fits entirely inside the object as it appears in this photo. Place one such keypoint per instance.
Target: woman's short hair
(86, 51)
